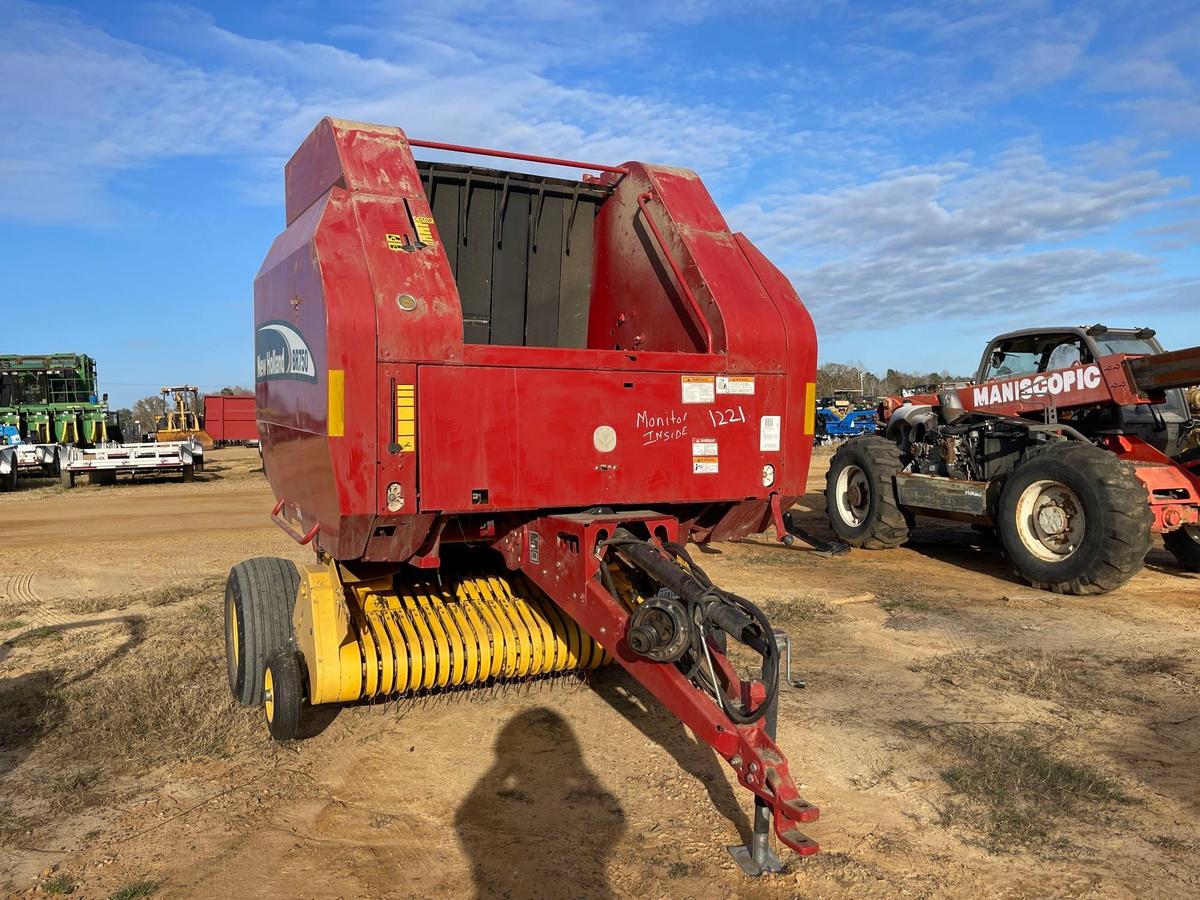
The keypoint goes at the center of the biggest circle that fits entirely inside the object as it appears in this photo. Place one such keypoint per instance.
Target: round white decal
(604, 439)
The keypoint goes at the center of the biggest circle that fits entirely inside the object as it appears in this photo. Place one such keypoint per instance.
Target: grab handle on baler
(697, 312)
(510, 154)
(286, 526)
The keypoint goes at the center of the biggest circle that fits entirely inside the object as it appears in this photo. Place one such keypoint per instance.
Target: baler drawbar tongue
(688, 622)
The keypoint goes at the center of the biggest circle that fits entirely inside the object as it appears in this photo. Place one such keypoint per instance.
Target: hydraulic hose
(718, 609)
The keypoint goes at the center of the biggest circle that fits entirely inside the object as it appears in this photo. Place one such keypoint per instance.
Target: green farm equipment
(52, 399)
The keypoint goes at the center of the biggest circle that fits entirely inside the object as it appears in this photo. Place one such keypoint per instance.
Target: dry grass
(165, 699)
(894, 602)
(145, 888)
(1013, 787)
(795, 610)
(14, 825)
(59, 884)
(74, 790)
(164, 596)
(30, 705)
(1074, 681)
(1155, 664)
(36, 636)
(10, 624)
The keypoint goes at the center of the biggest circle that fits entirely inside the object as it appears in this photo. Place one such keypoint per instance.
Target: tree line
(833, 377)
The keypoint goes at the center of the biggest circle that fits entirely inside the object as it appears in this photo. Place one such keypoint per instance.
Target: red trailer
(230, 418)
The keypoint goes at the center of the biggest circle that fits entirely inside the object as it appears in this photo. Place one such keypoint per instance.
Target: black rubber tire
(1117, 518)
(9, 482)
(885, 525)
(189, 473)
(1185, 545)
(287, 694)
(260, 595)
(66, 477)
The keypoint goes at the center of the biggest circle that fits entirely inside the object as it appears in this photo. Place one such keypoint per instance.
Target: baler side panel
(398, 532)
(298, 464)
(316, 275)
(801, 367)
(537, 438)
(746, 323)
(429, 325)
(636, 303)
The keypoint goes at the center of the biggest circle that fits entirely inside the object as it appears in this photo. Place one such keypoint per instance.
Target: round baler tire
(281, 676)
(885, 524)
(260, 595)
(1116, 530)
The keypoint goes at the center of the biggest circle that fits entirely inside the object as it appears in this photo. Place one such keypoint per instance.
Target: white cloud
(860, 227)
(962, 239)
(91, 106)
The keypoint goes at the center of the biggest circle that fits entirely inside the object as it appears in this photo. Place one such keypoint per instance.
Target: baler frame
(683, 318)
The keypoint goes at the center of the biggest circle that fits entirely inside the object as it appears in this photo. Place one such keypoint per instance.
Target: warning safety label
(735, 384)
(698, 389)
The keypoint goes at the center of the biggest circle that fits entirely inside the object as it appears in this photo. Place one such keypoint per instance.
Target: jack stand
(758, 858)
(788, 531)
(822, 546)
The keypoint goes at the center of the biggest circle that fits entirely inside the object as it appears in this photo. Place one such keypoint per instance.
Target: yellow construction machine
(183, 421)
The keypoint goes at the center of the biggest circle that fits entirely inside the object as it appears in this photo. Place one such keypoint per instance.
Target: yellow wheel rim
(269, 695)
(234, 647)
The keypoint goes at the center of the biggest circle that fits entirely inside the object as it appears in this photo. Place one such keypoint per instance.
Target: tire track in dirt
(35, 610)
(20, 588)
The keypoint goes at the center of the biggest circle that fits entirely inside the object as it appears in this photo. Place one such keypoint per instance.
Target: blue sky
(926, 175)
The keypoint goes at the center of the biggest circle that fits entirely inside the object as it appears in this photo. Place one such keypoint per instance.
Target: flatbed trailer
(36, 459)
(8, 469)
(103, 463)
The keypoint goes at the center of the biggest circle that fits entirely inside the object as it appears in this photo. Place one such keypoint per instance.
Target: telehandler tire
(260, 595)
(860, 494)
(1075, 519)
(1185, 544)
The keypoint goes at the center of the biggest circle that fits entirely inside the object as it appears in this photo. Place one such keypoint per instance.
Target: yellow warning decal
(424, 229)
(810, 407)
(406, 418)
(395, 241)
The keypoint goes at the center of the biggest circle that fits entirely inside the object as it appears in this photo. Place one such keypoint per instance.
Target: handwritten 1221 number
(730, 416)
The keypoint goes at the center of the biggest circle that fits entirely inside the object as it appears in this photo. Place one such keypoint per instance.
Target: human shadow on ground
(30, 703)
(539, 823)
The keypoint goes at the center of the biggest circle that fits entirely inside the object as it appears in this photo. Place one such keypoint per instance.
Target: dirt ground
(963, 734)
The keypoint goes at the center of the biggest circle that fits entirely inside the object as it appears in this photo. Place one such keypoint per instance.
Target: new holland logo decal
(280, 352)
